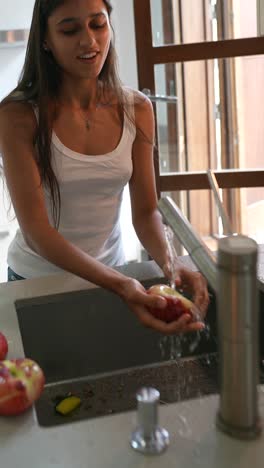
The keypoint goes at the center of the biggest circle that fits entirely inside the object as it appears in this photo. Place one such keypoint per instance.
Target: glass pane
(192, 203)
(251, 205)
(188, 21)
(213, 117)
(216, 122)
(187, 128)
(248, 94)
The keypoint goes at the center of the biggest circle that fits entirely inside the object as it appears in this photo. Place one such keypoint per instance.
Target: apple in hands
(21, 383)
(3, 346)
(177, 304)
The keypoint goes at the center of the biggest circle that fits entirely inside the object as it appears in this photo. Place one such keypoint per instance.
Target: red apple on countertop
(21, 383)
(3, 346)
(177, 304)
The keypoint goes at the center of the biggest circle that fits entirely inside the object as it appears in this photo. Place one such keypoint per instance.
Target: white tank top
(91, 194)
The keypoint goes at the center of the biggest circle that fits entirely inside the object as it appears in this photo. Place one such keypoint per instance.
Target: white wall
(123, 21)
(15, 14)
(11, 59)
(11, 62)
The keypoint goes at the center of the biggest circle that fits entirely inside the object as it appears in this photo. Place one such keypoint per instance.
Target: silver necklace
(89, 120)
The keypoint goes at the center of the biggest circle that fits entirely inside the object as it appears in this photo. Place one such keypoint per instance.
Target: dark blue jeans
(12, 276)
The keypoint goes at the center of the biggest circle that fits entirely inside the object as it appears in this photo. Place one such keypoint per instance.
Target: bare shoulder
(17, 119)
(141, 102)
(144, 115)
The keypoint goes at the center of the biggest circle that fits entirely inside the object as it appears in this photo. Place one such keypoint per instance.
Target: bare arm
(146, 218)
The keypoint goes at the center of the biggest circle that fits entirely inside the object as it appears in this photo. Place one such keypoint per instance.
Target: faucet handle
(149, 438)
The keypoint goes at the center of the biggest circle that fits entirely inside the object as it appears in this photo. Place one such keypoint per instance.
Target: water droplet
(207, 360)
(206, 332)
(195, 341)
(162, 346)
(185, 430)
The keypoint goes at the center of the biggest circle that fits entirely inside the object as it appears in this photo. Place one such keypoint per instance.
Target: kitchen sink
(90, 345)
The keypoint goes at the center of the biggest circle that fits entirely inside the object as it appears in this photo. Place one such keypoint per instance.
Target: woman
(71, 137)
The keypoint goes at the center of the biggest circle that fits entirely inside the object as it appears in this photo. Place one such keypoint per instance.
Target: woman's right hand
(139, 302)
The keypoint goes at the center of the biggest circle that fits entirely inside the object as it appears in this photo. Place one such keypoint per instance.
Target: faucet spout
(197, 249)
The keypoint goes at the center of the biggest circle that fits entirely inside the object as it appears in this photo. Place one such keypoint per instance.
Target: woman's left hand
(192, 282)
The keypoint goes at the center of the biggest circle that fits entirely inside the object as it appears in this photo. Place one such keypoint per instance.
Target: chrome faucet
(233, 277)
(197, 249)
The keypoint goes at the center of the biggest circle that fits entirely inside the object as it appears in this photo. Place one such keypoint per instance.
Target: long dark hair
(39, 84)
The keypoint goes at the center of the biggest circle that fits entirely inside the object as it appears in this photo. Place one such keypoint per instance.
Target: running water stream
(174, 344)
(172, 255)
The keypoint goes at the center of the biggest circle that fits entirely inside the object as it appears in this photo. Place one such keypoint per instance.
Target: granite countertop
(104, 442)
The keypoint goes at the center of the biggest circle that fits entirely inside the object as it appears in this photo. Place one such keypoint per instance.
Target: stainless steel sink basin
(89, 344)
